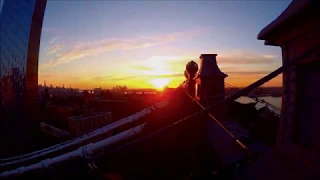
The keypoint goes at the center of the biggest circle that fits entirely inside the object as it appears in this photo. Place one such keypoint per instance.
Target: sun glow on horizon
(153, 72)
(157, 66)
(160, 83)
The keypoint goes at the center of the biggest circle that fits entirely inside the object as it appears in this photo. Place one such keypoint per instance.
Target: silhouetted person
(190, 73)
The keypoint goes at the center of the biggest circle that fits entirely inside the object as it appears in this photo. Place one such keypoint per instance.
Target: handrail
(86, 151)
(78, 141)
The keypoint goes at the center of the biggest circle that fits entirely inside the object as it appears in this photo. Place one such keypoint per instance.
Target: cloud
(269, 56)
(245, 57)
(54, 49)
(236, 63)
(123, 78)
(52, 30)
(248, 73)
(45, 76)
(100, 78)
(86, 49)
(168, 75)
(53, 39)
(141, 67)
(231, 60)
(233, 74)
(114, 78)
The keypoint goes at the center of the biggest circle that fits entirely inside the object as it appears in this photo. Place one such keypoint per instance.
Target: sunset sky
(88, 44)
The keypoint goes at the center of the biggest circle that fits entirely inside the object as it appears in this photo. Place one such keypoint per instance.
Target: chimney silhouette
(210, 80)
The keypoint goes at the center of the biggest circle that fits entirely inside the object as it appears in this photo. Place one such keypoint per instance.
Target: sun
(160, 83)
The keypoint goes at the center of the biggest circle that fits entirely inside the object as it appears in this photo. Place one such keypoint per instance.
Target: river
(276, 101)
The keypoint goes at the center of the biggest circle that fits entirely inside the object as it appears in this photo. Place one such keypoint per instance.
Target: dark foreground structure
(201, 133)
(19, 51)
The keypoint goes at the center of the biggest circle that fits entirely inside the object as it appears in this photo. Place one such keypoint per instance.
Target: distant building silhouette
(120, 88)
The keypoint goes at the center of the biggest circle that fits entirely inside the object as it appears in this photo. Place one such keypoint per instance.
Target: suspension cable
(219, 123)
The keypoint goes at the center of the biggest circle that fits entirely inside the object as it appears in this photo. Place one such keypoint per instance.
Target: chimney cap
(209, 66)
(202, 55)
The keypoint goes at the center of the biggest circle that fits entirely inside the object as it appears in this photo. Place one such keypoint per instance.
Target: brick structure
(210, 81)
(297, 30)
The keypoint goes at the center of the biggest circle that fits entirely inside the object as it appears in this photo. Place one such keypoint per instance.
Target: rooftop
(294, 9)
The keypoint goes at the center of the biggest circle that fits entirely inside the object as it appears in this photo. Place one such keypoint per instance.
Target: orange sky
(156, 72)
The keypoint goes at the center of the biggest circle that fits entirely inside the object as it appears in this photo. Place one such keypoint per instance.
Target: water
(276, 101)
